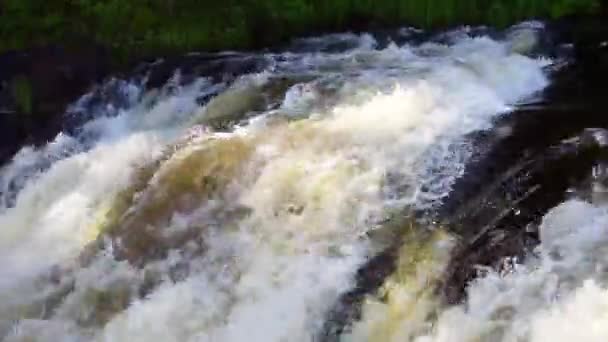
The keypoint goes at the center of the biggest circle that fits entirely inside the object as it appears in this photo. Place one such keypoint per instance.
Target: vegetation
(138, 27)
(22, 93)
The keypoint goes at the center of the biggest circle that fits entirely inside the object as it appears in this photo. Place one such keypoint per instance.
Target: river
(402, 186)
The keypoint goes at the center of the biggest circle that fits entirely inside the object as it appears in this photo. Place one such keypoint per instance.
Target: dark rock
(51, 77)
(368, 279)
(550, 149)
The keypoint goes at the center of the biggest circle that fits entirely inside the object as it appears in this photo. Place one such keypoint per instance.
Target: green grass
(134, 28)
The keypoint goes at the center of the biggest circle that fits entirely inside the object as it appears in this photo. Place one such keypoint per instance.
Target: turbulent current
(303, 195)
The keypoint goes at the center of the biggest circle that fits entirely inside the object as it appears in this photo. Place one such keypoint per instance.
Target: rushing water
(244, 206)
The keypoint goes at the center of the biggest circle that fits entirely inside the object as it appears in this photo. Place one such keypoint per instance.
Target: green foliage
(138, 27)
(22, 93)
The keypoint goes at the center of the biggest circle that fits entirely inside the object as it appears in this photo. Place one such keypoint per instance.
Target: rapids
(304, 195)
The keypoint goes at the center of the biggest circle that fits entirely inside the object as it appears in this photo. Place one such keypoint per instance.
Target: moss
(23, 95)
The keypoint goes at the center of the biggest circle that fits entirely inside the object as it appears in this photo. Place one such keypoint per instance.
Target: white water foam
(313, 187)
(57, 211)
(560, 295)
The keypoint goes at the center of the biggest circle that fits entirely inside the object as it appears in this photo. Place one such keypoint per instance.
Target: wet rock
(368, 280)
(519, 176)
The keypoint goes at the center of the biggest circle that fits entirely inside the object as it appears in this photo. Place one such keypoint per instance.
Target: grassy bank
(134, 28)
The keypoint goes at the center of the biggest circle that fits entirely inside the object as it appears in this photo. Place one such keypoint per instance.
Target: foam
(314, 187)
(560, 295)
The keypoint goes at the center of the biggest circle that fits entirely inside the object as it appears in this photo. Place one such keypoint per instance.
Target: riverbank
(136, 29)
